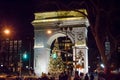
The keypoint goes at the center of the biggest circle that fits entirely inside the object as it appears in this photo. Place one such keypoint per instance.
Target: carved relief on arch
(80, 59)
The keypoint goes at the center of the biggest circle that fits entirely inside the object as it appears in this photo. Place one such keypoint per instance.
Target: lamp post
(20, 72)
(22, 56)
(6, 36)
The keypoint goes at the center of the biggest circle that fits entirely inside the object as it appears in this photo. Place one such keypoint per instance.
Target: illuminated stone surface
(43, 41)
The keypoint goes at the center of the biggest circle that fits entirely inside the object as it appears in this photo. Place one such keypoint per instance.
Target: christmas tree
(56, 64)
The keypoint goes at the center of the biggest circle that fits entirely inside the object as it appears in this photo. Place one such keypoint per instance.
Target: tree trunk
(100, 33)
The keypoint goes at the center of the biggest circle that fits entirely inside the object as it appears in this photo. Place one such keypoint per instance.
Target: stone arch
(56, 35)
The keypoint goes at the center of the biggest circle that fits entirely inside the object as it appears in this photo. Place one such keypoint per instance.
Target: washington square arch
(70, 24)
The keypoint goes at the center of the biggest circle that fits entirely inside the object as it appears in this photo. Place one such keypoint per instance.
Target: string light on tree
(56, 64)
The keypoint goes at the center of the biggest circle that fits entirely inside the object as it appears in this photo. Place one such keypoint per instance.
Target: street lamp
(4, 47)
(49, 31)
(7, 31)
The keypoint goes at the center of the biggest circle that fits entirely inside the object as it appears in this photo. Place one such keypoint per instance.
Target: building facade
(12, 52)
(62, 23)
(9, 51)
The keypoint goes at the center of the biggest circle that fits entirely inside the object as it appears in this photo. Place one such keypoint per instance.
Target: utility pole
(20, 73)
(30, 54)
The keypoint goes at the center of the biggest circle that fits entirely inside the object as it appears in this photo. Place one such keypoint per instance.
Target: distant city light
(1, 65)
(27, 66)
(102, 65)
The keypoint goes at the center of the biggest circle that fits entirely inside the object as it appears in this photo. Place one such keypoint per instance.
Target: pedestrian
(44, 77)
(49, 76)
(91, 76)
(61, 76)
(86, 77)
(76, 77)
(81, 76)
(65, 76)
(101, 76)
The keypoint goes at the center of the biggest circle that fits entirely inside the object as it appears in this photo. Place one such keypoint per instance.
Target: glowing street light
(49, 31)
(7, 31)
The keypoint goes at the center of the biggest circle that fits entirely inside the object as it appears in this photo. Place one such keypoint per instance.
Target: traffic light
(54, 55)
(25, 56)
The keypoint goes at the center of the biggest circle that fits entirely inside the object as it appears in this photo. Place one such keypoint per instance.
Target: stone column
(80, 50)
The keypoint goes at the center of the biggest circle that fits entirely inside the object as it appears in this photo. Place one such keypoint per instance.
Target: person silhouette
(86, 77)
(76, 77)
(91, 76)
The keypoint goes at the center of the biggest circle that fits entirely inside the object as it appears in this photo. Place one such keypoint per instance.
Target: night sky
(18, 15)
